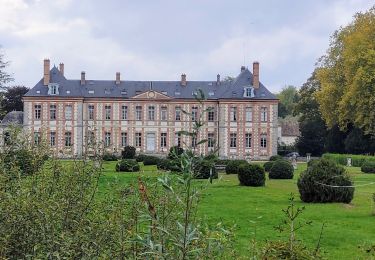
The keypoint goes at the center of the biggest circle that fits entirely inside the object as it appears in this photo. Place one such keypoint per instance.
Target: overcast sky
(159, 40)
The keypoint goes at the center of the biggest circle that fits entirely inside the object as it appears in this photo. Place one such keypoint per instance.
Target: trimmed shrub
(311, 162)
(275, 157)
(267, 166)
(110, 157)
(140, 157)
(204, 168)
(150, 160)
(175, 151)
(127, 165)
(319, 183)
(357, 160)
(164, 164)
(222, 161)
(368, 167)
(251, 175)
(232, 166)
(281, 169)
(128, 152)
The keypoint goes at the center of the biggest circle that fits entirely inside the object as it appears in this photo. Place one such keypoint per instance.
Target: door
(151, 142)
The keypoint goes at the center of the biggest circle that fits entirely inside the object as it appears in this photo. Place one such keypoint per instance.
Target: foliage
(223, 161)
(233, 165)
(281, 169)
(110, 157)
(357, 160)
(4, 76)
(205, 169)
(251, 175)
(127, 165)
(128, 152)
(12, 99)
(283, 149)
(175, 152)
(268, 165)
(357, 142)
(347, 77)
(164, 164)
(288, 99)
(140, 157)
(368, 167)
(150, 160)
(312, 137)
(335, 140)
(325, 181)
(276, 157)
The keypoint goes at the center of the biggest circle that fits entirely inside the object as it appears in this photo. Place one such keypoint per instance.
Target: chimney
(83, 78)
(218, 79)
(61, 68)
(46, 76)
(118, 78)
(183, 80)
(256, 74)
(243, 68)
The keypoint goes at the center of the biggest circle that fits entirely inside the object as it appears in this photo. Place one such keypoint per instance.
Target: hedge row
(357, 160)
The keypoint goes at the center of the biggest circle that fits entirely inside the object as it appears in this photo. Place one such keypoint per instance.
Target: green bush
(232, 166)
(127, 165)
(311, 162)
(140, 157)
(251, 175)
(128, 152)
(357, 160)
(110, 157)
(175, 152)
(267, 166)
(281, 169)
(276, 157)
(368, 167)
(222, 161)
(319, 183)
(204, 169)
(150, 160)
(164, 164)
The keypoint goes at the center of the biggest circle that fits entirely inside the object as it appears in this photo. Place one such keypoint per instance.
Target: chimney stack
(183, 80)
(256, 74)
(61, 68)
(118, 81)
(218, 79)
(46, 75)
(83, 78)
(243, 68)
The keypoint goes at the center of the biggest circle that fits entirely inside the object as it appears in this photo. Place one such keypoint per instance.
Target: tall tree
(347, 75)
(12, 99)
(288, 98)
(4, 76)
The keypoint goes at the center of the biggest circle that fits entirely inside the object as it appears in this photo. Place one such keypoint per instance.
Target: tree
(4, 76)
(288, 98)
(335, 140)
(12, 99)
(347, 75)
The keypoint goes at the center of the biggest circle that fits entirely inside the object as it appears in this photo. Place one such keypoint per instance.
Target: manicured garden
(255, 211)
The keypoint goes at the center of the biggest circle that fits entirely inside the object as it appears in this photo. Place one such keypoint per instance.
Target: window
(210, 140)
(37, 111)
(263, 114)
(107, 112)
(68, 112)
(177, 139)
(68, 139)
(53, 89)
(151, 113)
(163, 113)
(90, 137)
(193, 141)
(233, 114)
(124, 112)
(233, 140)
(138, 113)
(52, 138)
(52, 112)
(107, 139)
(249, 92)
(263, 140)
(138, 139)
(249, 114)
(178, 114)
(194, 113)
(124, 139)
(91, 112)
(211, 114)
(163, 140)
(248, 140)
(36, 138)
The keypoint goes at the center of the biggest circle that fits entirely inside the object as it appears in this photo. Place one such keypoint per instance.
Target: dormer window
(248, 92)
(53, 89)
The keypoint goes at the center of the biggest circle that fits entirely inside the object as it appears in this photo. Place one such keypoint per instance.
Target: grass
(347, 226)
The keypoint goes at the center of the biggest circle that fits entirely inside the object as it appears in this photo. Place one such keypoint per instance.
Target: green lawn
(346, 226)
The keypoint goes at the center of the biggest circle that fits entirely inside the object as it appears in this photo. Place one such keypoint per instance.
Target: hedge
(204, 169)
(232, 166)
(150, 160)
(368, 167)
(127, 165)
(357, 160)
(251, 175)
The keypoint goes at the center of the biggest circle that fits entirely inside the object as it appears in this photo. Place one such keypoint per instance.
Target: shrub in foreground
(368, 167)
(251, 175)
(281, 169)
(128, 152)
(325, 181)
(267, 166)
(204, 169)
(164, 164)
(232, 166)
(150, 160)
(127, 165)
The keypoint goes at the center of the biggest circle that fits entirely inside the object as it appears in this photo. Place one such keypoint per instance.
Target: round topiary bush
(267, 166)
(204, 169)
(164, 164)
(150, 160)
(251, 175)
(128, 152)
(368, 167)
(276, 157)
(232, 166)
(325, 181)
(109, 157)
(281, 169)
(140, 157)
(127, 165)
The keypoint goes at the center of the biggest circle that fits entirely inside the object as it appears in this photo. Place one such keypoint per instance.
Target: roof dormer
(53, 89)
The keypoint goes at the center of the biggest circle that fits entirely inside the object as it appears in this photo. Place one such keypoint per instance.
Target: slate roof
(13, 118)
(108, 89)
